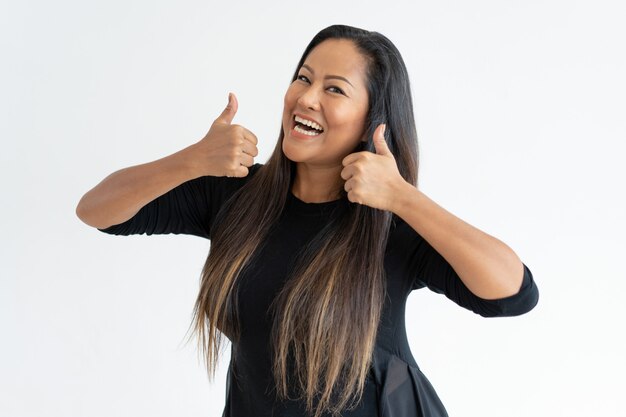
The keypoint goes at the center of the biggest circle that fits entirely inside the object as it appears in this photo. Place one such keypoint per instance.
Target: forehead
(338, 57)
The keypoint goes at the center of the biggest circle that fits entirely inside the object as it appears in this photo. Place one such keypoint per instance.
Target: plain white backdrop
(521, 121)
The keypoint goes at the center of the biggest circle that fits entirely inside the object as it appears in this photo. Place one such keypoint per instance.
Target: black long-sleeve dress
(395, 387)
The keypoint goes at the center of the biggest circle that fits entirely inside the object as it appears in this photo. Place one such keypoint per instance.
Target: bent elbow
(84, 215)
(517, 304)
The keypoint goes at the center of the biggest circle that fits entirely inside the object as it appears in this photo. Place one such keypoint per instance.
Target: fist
(373, 179)
(227, 150)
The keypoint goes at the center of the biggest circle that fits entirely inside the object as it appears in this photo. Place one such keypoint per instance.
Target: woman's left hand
(373, 179)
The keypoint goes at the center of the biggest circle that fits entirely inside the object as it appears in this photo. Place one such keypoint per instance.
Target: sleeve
(186, 209)
(433, 271)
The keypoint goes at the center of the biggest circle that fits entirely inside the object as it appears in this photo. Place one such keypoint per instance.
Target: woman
(314, 253)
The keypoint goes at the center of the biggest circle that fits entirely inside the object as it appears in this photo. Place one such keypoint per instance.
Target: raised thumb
(379, 141)
(229, 112)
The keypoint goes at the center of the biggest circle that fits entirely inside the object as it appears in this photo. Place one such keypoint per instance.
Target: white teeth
(305, 132)
(308, 123)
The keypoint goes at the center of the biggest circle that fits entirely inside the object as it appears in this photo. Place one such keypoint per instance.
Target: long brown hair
(326, 316)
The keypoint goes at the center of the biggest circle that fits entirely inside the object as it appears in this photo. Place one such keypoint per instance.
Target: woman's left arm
(487, 266)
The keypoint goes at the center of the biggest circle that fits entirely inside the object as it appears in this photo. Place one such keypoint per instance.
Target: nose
(309, 99)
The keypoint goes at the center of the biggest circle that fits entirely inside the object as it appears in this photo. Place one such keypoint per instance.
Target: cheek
(347, 119)
(290, 95)
(288, 103)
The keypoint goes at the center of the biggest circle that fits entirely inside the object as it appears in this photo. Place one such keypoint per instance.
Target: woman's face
(330, 90)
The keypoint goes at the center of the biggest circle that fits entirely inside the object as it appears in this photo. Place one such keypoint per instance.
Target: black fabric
(395, 387)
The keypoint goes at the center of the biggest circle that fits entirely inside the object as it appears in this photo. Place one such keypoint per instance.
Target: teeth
(305, 132)
(309, 123)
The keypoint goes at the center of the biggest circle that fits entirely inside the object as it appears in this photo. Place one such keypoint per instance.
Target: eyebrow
(338, 77)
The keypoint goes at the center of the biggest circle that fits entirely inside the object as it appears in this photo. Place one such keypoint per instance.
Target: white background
(520, 112)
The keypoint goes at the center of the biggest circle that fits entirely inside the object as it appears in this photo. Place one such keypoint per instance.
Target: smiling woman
(314, 253)
(324, 95)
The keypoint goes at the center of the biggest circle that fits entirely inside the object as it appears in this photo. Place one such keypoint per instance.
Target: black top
(395, 386)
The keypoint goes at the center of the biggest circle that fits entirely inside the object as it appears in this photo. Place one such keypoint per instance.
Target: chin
(295, 156)
(289, 152)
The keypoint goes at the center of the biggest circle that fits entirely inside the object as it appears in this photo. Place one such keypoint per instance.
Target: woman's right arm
(226, 150)
(123, 193)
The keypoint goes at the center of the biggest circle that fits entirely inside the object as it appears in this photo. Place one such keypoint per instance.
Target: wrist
(184, 162)
(404, 194)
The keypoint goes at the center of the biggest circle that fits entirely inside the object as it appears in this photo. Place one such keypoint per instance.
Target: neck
(317, 184)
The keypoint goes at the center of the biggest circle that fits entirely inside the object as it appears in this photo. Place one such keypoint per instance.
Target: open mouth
(306, 127)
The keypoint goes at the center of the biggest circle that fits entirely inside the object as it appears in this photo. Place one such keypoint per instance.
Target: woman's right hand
(227, 150)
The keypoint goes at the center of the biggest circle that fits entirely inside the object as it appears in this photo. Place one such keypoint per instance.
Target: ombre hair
(326, 316)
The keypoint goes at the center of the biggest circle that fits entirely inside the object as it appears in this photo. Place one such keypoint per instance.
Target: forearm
(487, 266)
(119, 196)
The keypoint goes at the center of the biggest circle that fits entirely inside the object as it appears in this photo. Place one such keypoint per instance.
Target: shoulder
(400, 229)
(254, 169)
(229, 185)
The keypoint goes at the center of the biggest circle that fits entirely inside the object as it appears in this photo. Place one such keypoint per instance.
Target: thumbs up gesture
(373, 179)
(227, 150)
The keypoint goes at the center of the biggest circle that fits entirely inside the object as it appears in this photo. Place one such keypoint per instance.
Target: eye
(338, 89)
(306, 80)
